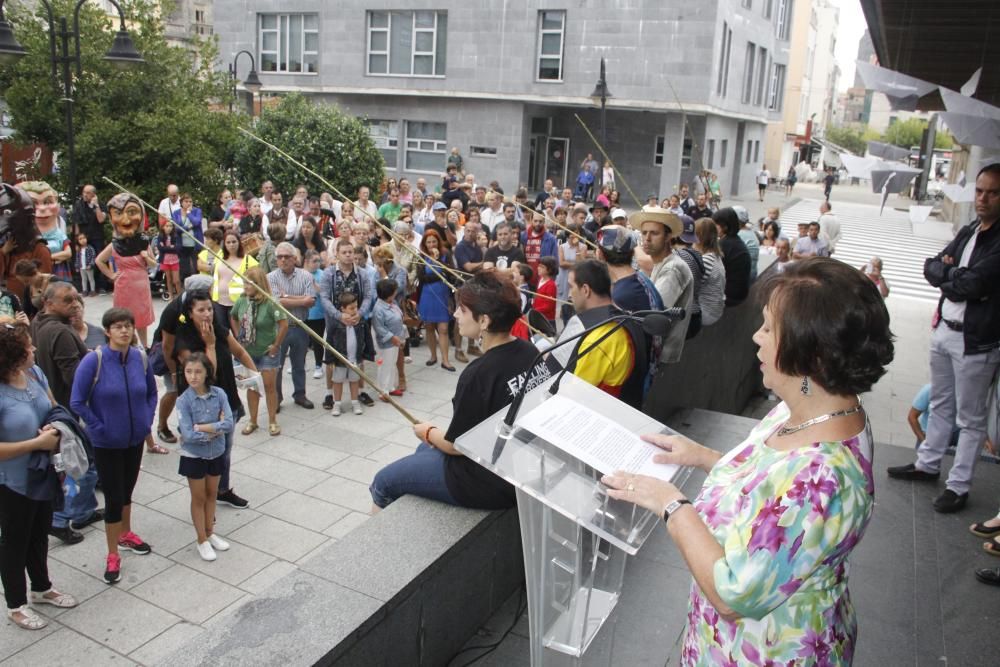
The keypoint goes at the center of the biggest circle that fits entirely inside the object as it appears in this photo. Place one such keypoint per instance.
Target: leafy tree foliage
(910, 132)
(143, 127)
(331, 143)
(851, 138)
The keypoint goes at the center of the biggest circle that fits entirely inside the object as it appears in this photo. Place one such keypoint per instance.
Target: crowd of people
(477, 277)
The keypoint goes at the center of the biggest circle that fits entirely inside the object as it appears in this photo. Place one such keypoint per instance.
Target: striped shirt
(299, 283)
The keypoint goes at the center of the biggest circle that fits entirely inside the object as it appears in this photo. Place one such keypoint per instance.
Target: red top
(545, 299)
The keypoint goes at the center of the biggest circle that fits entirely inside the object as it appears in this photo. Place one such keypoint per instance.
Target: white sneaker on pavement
(358, 410)
(218, 543)
(206, 551)
(336, 409)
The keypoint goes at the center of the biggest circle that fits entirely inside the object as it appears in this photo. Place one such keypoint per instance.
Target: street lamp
(601, 94)
(121, 54)
(251, 83)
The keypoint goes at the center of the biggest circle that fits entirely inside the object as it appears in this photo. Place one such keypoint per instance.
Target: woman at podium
(487, 306)
(768, 536)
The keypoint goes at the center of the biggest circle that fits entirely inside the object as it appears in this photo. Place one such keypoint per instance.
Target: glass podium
(575, 538)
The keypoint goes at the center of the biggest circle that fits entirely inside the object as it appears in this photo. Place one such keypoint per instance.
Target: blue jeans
(80, 499)
(294, 347)
(419, 474)
(226, 455)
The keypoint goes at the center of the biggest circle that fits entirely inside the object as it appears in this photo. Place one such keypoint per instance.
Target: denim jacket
(387, 319)
(212, 408)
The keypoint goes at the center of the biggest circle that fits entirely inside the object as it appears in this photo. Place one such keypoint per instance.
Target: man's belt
(953, 325)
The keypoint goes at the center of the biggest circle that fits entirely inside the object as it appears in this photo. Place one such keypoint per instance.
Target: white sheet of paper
(594, 439)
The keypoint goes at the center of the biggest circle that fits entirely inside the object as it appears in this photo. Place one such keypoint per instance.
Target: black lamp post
(122, 53)
(251, 83)
(601, 94)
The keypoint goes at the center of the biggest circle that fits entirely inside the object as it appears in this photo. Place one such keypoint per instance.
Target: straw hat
(660, 215)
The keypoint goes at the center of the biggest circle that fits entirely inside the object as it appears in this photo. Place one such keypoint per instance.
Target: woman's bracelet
(427, 435)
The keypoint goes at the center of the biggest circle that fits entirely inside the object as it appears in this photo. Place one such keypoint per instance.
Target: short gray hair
(401, 228)
(56, 287)
(285, 245)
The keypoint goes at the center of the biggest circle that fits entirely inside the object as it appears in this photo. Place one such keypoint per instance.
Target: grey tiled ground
(307, 488)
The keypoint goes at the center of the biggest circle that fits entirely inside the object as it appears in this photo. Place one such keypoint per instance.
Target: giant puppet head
(46, 204)
(17, 217)
(125, 211)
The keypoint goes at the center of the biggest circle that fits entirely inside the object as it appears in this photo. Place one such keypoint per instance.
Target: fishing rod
(266, 293)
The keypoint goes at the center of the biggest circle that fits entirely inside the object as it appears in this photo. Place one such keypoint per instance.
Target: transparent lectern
(575, 538)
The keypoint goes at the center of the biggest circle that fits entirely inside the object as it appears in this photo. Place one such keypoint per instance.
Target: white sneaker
(336, 409)
(358, 410)
(408, 360)
(289, 371)
(206, 551)
(218, 543)
(318, 373)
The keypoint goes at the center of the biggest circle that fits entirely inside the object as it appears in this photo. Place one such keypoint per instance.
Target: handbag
(156, 360)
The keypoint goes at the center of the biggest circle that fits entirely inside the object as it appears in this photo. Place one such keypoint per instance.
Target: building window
(407, 43)
(385, 134)
(686, 153)
(722, 153)
(749, 150)
(748, 69)
(483, 151)
(768, 4)
(761, 77)
(426, 146)
(784, 19)
(658, 151)
(722, 85)
(551, 29)
(756, 151)
(711, 154)
(288, 43)
(775, 95)
(747, 4)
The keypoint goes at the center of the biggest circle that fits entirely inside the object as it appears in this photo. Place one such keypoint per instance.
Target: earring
(805, 389)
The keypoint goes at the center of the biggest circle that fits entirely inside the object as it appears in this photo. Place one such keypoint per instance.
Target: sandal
(992, 547)
(57, 599)
(249, 428)
(982, 530)
(29, 619)
(273, 429)
(157, 449)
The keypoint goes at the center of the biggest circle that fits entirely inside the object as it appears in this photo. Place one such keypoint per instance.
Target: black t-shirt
(466, 252)
(485, 386)
(188, 338)
(502, 259)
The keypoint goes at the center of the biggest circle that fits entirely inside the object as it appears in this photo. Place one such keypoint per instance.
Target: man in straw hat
(669, 274)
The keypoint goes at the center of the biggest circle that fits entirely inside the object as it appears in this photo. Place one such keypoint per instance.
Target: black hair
(489, 293)
(113, 316)
(728, 220)
(385, 288)
(594, 275)
(347, 298)
(550, 264)
(831, 324)
(993, 168)
(201, 358)
(190, 297)
(526, 272)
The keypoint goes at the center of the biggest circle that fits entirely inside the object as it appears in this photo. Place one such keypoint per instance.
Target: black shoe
(98, 515)
(66, 534)
(166, 435)
(328, 403)
(365, 399)
(949, 502)
(230, 498)
(277, 410)
(912, 473)
(989, 575)
(304, 402)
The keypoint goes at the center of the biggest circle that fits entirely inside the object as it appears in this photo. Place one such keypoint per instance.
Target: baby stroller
(157, 281)
(584, 183)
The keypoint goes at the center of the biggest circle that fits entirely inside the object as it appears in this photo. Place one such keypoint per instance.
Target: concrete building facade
(692, 84)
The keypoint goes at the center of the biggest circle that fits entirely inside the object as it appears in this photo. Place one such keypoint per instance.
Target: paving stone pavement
(307, 488)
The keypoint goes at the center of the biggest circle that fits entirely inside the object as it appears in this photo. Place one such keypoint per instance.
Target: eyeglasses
(285, 256)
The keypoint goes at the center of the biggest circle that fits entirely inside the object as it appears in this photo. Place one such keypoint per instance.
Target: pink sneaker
(113, 573)
(133, 543)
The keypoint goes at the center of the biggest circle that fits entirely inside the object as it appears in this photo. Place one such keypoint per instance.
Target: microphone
(654, 322)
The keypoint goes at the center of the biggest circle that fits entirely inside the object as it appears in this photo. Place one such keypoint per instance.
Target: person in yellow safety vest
(227, 285)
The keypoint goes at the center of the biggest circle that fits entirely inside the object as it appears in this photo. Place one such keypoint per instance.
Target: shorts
(195, 468)
(343, 374)
(266, 362)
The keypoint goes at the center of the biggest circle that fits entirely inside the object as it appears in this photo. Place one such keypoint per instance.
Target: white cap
(618, 213)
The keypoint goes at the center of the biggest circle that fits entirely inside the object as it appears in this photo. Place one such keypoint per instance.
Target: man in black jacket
(59, 351)
(965, 346)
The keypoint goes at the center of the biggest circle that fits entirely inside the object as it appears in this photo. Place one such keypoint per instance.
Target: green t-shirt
(390, 212)
(264, 325)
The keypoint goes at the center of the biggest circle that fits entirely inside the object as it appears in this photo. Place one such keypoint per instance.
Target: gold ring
(630, 487)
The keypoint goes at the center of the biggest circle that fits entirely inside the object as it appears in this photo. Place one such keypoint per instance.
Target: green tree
(143, 127)
(335, 145)
(851, 138)
(910, 132)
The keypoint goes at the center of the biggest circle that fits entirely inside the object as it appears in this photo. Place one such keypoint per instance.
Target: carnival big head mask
(126, 217)
(46, 204)
(17, 217)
